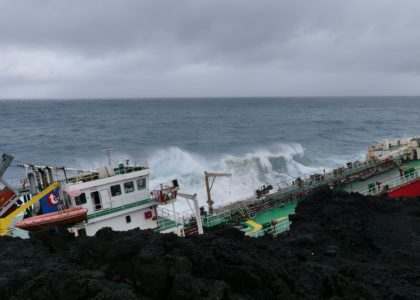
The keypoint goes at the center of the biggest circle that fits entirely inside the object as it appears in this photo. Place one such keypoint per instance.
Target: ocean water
(258, 140)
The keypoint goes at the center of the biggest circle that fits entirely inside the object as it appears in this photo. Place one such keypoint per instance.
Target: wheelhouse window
(116, 190)
(141, 183)
(129, 187)
(81, 199)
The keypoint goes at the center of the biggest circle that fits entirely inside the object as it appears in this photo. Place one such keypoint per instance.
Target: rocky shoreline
(340, 245)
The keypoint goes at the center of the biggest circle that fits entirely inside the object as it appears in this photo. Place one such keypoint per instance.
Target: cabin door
(96, 200)
(106, 199)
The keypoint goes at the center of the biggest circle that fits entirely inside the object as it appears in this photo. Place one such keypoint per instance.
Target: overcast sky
(175, 48)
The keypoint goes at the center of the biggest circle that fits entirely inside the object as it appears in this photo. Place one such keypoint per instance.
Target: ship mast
(209, 186)
(108, 153)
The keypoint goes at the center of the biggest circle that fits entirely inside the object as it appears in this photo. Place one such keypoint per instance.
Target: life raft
(67, 216)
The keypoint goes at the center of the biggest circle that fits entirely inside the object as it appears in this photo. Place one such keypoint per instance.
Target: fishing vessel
(119, 197)
(85, 201)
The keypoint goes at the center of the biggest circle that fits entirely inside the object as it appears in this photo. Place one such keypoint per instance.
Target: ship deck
(390, 175)
(276, 220)
(278, 215)
(275, 214)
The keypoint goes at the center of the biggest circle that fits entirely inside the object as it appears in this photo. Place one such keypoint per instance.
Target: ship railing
(86, 176)
(266, 205)
(169, 218)
(227, 206)
(169, 214)
(273, 230)
(397, 143)
(292, 189)
(217, 218)
(242, 211)
(83, 176)
(285, 189)
(330, 175)
(388, 185)
(123, 169)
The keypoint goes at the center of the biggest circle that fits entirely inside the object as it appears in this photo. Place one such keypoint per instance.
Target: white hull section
(123, 221)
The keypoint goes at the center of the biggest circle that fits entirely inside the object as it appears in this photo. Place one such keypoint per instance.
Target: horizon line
(198, 97)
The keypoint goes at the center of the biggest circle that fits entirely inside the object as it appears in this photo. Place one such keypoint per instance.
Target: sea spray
(271, 165)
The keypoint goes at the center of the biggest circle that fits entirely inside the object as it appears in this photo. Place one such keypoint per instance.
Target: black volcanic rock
(340, 245)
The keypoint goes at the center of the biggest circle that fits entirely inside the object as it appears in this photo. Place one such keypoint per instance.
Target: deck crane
(209, 186)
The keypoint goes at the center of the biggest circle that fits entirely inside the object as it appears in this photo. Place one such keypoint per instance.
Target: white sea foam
(272, 164)
(249, 170)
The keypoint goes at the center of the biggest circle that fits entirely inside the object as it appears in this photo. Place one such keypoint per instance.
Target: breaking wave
(250, 170)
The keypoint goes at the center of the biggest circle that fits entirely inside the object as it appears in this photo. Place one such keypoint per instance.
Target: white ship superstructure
(116, 197)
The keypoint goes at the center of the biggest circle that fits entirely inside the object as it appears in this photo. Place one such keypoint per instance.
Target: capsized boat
(115, 196)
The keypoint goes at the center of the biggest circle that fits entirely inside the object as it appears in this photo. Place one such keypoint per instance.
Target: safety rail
(83, 176)
(169, 219)
(396, 147)
(121, 169)
(237, 214)
(217, 219)
(290, 191)
(285, 188)
(296, 189)
(251, 206)
(86, 176)
(165, 223)
(391, 184)
(321, 178)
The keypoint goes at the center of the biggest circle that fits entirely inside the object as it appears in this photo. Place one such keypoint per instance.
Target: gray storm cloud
(70, 49)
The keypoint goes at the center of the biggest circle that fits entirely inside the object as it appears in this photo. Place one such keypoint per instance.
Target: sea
(259, 141)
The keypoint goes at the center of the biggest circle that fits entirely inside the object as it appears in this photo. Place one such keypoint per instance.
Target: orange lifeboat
(67, 216)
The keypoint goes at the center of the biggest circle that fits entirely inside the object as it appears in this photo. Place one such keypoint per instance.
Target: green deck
(275, 213)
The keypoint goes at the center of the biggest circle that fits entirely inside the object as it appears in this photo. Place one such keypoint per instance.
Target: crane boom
(207, 175)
